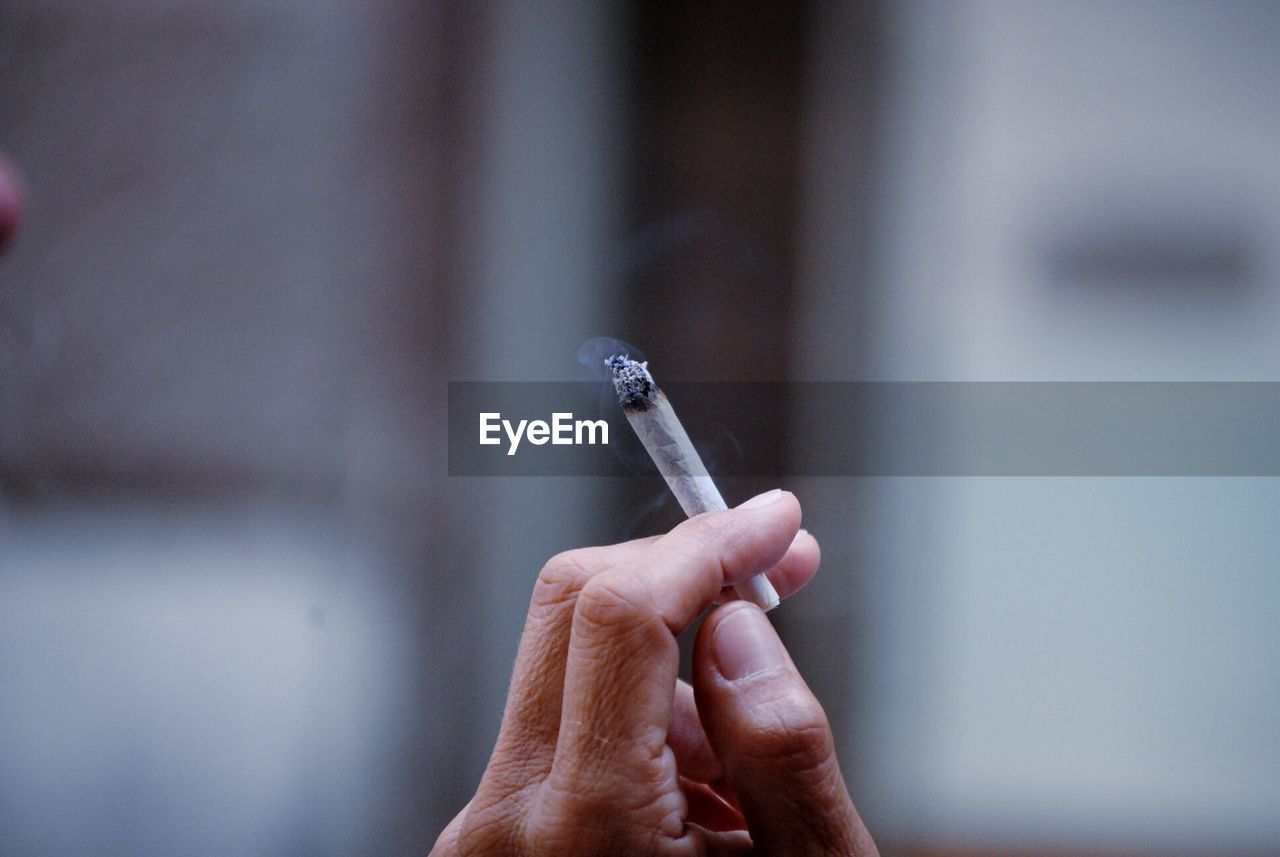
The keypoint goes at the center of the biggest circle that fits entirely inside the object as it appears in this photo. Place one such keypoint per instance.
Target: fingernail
(763, 499)
(746, 645)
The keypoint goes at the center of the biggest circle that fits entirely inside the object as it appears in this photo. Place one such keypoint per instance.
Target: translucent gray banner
(880, 429)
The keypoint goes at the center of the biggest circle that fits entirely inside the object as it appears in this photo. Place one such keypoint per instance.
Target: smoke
(593, 353)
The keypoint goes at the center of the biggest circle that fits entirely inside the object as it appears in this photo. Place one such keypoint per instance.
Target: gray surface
(1072, 191)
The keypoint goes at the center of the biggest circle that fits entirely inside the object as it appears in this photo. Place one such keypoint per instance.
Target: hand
(603, 751)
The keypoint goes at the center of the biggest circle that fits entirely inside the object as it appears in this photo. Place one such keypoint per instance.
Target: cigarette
(659, 429)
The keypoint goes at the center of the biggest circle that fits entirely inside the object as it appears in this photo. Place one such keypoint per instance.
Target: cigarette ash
(632, 381)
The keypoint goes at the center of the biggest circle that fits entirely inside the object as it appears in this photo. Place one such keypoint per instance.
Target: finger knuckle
(605, 602)
(586, 814)
(489, 832)
(712, 529)
(563, 577)
(565, 820)
(793, 734)
(714, 545)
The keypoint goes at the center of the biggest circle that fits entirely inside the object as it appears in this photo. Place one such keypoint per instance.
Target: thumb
(772, 737)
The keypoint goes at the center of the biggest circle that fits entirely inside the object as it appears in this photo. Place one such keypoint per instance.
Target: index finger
(622, 663)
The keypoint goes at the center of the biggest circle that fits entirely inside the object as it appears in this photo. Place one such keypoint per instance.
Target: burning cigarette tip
(631, 380)
(656, 424)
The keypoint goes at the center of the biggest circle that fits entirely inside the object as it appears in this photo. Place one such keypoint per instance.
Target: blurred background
(244, 610)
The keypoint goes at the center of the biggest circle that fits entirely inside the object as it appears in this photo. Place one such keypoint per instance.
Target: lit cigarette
(655, 421)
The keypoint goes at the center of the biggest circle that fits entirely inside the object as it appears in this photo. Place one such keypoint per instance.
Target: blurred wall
(1065, 191)
(539, 269)
(244, 610)
(224, 334)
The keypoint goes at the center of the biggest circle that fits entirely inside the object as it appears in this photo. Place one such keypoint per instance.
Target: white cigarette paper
(658, 428)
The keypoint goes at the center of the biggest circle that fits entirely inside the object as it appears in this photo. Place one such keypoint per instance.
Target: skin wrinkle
(669, 806)
(729, 568)
(589, 810)
(604, 646)
(552, 598)
(621, 608)
(803, 757)
(490, 831)
(779, 750)
(645, 747)
(532, 732)
(790, 726)
(566, 573)
(650, 754)
(688, 739)
(599, 734)
(646, 635)
(825, 829)
(641, 747)
(529, 741)
(709, 573)
(560, 582)
(610, 605)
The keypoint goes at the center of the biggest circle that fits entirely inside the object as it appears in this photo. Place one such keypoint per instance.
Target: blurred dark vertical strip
(715, 125)
(416, 175)
(725, 105)
(715, 155)
(5, 27)
(444, 336)
(828, 628)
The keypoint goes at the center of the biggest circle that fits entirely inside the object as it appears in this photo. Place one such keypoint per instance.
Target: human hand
(603, 751)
